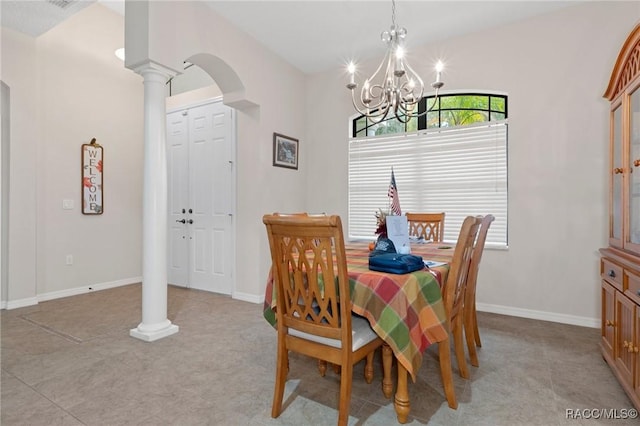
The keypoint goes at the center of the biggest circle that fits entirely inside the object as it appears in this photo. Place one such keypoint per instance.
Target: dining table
(406, 310)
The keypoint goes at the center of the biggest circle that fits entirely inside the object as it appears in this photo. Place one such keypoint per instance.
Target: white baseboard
(539, 315)
(20, 303)
(178, 285)
(247, 297)
(30, 301)
(87, 289)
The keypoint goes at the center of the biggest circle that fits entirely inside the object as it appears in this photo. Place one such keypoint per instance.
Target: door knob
(190, 221)
(181, 221)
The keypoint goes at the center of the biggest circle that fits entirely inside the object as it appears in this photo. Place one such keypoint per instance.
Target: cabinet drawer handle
(625, 344)
(610, 323)
(618, 170)
(612, 273)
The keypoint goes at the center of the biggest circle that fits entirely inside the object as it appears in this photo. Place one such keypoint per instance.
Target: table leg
(387, 360)
(401, 403)
(322, 367)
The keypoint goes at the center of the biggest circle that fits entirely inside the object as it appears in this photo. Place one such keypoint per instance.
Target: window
(453, 159)
(449, 111)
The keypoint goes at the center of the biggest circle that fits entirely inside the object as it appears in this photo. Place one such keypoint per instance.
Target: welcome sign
(92, 197)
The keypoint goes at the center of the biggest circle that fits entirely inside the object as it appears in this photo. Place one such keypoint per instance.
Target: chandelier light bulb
(439, 68)
(399, 52)
(352, 78)
(366, 99)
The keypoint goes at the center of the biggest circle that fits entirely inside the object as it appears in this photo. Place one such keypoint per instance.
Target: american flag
(393, 194)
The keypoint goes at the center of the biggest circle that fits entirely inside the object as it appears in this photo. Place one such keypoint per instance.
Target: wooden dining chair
(429, 226)
(322, 364)
(453, 297)
(471, 332)
(313, 308)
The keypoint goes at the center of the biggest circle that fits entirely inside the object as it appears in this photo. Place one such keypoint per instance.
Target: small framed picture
(285, 151)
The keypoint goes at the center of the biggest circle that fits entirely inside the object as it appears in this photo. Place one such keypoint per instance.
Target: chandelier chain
(393, 13)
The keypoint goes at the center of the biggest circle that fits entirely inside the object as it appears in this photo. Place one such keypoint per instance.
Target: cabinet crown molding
(627, 66)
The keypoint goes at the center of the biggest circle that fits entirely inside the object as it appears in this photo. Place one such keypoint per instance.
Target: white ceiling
(318, 35)
(36, 17)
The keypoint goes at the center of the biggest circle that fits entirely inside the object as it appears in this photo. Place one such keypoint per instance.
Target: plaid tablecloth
(406, 311)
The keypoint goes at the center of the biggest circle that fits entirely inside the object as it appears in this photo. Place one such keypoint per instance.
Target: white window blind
(459, 171)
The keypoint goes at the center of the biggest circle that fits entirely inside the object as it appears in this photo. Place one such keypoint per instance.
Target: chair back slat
(429, 226)
(310, 271)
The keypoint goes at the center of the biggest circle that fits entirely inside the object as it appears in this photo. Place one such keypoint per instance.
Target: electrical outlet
(69, 259)
(67, 204)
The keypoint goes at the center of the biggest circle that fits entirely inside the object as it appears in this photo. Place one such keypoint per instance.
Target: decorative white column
(155, 324)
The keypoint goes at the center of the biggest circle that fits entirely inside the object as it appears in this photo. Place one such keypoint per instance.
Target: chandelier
(396, 88)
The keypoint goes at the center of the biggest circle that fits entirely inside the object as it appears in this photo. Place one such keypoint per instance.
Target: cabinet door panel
(616, 203)
(625, 333)
(633, 237)
(608, 317)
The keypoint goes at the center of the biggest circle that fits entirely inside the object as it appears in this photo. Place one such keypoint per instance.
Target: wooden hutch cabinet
(620, 263)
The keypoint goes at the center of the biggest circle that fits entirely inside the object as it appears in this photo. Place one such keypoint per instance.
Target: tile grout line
(51, 330)
(42, 395)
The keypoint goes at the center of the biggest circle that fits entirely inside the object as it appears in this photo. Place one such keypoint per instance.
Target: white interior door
(208, 172)
(178, 197)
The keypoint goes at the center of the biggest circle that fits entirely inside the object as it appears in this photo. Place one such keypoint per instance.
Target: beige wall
(67, 87)
(86, 92)
(19, 66)
(554, 69)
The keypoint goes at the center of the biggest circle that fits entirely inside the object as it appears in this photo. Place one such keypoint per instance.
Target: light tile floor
(71, 362)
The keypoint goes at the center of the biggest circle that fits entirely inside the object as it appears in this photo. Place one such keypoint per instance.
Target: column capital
(150, 67)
